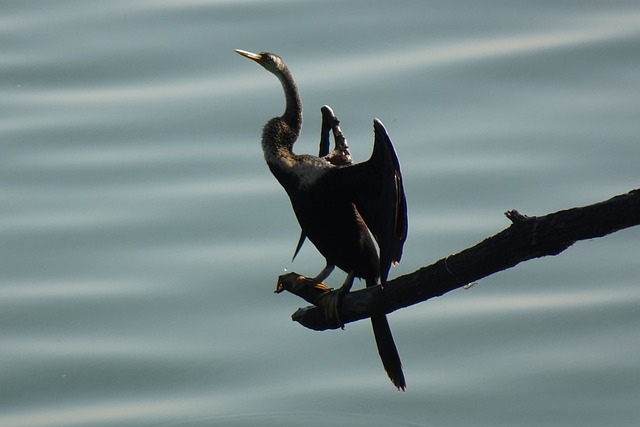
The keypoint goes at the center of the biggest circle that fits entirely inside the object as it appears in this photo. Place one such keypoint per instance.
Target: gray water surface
(141, 233)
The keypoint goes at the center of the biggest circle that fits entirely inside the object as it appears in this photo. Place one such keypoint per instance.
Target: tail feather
(388, 351)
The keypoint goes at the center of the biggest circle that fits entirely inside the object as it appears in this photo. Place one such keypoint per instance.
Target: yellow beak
(255, 56)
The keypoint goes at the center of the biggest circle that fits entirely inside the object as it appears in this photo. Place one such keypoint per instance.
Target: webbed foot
(329, 304)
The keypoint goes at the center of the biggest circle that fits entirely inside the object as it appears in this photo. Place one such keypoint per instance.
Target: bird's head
(270, 61)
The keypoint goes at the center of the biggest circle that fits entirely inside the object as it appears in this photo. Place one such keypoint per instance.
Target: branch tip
(515, 216)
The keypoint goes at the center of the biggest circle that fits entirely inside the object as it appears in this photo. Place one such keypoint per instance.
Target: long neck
(280, 133)
(293, 111)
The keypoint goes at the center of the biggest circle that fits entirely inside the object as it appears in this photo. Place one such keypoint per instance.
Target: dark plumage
(339, 204)
(340, 156)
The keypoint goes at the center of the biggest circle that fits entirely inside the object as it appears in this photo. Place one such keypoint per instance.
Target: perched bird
(340, 205)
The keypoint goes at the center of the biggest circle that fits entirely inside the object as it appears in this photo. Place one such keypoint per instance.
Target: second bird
(341, 206)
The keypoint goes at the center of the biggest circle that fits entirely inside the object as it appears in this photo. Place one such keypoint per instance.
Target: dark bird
(341, 206)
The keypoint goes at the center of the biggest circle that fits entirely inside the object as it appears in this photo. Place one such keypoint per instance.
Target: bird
(343, 208)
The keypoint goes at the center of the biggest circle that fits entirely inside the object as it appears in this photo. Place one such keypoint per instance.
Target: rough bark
(526, 238)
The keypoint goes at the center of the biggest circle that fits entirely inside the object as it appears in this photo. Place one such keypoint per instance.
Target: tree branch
(526, 238)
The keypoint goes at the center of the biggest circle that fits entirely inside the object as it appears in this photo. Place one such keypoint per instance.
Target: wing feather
(377, 191)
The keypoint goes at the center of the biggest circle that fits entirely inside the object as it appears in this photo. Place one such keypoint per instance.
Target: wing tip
(380, 130)
(326, 110)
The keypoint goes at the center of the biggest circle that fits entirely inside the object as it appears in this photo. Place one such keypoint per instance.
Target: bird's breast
(310, 175)
(299, 174)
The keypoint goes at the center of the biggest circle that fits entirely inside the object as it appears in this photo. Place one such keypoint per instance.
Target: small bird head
(270, 61)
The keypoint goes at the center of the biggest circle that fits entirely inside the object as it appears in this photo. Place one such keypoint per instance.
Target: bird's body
(332, 223)
(341, 206)
(326, 214)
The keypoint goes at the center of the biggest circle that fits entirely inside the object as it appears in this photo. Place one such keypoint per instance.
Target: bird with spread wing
(343, 208)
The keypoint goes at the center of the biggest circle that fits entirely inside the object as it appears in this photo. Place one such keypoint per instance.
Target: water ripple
(87, 413)
(596, 30)
(141, 231)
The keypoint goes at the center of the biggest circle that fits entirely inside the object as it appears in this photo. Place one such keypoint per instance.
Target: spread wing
(378, 193)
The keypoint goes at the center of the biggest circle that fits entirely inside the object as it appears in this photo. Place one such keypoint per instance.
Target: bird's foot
(329, 304)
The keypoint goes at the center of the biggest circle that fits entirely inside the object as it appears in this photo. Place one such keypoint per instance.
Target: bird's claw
(329, 304)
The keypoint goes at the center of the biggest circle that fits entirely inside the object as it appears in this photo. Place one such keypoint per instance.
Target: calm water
(141, 233)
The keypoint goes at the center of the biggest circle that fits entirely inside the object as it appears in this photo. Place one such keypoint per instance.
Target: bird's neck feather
(280, 133)
(293, 110)
(278, 138)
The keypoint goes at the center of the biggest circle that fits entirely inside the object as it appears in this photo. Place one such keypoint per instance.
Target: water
(142, 233)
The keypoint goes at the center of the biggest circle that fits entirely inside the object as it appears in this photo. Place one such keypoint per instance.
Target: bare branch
(526, 238)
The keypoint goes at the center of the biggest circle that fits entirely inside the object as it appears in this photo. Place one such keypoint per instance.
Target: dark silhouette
(341, 205)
